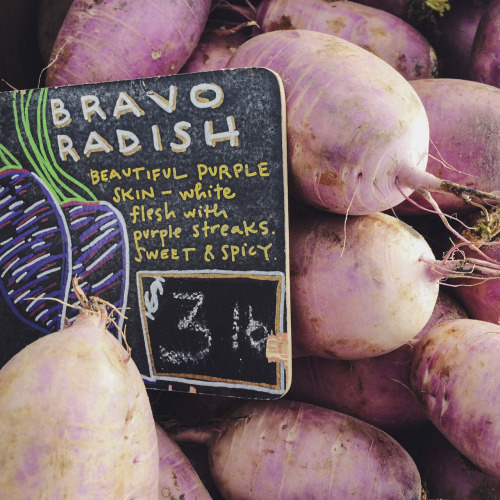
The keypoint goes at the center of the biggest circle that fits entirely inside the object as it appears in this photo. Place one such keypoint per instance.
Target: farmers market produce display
(249, 249)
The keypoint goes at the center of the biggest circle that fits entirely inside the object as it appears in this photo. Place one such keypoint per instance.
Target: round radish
(485, 67)
(363, 286)
(464, 119)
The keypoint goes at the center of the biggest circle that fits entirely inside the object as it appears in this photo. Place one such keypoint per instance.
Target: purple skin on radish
(375, 390)
(75, 418)
(383, 34)
(481, 298)
(464, 122)
(396, 7)
(285, 450)
(455, 376)
(213, 52)
(358, 134)
(485, 66)
(177, 477)
(360, 287)
(115, 40)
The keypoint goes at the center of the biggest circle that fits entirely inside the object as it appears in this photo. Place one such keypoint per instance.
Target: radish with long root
(285, 450)
(358, 134)
(364, 286)
(464, 119)
(75, 417)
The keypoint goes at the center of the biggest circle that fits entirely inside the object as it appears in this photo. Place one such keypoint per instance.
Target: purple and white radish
(115, 40)
(464, 119)
(381, 33)
(485, 67)
(455, 376)
(363, 286)
(481, 298)
(284, 450)
(213, 51)
(75, 417)
(457, 29)
(358, 134)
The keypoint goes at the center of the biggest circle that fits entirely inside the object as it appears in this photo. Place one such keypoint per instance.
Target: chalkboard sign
(167, 198)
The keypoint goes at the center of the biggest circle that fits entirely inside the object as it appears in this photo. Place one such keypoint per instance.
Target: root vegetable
(213, 51)
(381, 33)
(364, 286)
(457, 29)
(358, 134)
(116, 40)
(284, 450)
(177, 477)
(484, 58)
(481, 298)
(455, 376)
(75, 418)
(464, 119)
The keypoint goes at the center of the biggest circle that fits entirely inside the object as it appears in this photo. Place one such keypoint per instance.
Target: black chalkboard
(167, 197)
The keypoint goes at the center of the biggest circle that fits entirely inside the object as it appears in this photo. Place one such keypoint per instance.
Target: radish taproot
(115, 40)
(75, 418)
(455, 375)
(363, 286)
(464, 119)
(358, 134)
(383, 34)
(285, 450)
(481, 298)
(375, 390)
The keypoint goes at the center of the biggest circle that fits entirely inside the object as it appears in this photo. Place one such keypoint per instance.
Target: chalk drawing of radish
(35, 258)
(52, 227)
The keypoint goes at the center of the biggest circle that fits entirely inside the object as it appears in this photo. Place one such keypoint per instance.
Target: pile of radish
(393, 120)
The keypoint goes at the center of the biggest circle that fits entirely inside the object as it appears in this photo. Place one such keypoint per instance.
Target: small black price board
(167, 197)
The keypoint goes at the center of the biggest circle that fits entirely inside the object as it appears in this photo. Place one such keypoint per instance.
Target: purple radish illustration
(35, 260)
(53, 228)
(99, 243)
